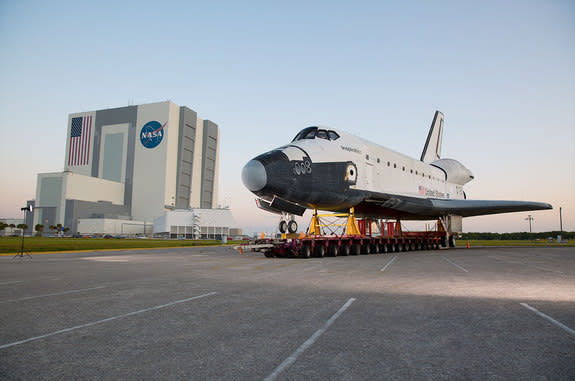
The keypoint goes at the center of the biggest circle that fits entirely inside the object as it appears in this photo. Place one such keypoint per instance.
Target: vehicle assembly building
(131, 163)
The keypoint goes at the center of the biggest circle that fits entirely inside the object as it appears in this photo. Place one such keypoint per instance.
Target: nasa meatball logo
(152, 134)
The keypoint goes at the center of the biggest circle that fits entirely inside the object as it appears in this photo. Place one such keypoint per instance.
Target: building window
(379, 161)
(388, 163)
(394, 165)
(366, 157)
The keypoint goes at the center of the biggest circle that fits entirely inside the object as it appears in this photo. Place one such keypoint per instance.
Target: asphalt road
(213, 314)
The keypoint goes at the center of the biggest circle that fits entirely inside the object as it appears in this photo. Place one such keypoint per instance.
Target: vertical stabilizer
(432, 149)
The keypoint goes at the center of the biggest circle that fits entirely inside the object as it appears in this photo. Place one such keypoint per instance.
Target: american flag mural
(80, 139)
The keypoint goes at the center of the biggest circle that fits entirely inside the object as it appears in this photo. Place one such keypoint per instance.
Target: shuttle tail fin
(432, 149)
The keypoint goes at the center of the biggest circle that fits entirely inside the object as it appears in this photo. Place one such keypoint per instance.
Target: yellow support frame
(351, 227)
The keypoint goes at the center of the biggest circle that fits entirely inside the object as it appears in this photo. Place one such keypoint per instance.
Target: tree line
(518, 235)
(39, 228)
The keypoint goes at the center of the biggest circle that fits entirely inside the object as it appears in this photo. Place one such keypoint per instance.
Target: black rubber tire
(292, 227)
(320, 251)
(305, 252)
(344, 250)
(375, 248)
(355, 249)
(366, 249)
(332, 250)
(283, 227)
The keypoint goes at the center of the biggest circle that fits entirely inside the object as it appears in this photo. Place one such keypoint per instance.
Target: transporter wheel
(443, 241)
(292, 226)
(366, 248)
(451, 241)
(332, 250)
(344, 250)
(375, 248)
(384, 248)
(283, 227)
(355, 249)
(320, 251)
(269, 254)
(305, 252)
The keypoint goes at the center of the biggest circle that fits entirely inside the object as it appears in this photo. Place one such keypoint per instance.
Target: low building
(105, 226)
(195, 224)
(10, 231)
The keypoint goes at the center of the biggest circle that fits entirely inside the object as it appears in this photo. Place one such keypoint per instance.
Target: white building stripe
(103, 321)
(309, 342)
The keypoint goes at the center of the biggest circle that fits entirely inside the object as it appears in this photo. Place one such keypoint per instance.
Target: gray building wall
(76, 209)
(209, 155)
(187, 132)
(113, 150)
(120, 115)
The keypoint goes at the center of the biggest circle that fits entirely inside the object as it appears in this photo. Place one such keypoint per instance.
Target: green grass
(40, 244)
(543, 243)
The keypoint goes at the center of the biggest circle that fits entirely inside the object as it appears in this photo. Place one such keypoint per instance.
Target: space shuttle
(331, 170)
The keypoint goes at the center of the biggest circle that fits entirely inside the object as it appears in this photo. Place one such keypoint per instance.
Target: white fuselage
(381, 169)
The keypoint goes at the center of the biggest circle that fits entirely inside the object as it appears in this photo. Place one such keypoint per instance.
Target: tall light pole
(560, 220)
(529, 218)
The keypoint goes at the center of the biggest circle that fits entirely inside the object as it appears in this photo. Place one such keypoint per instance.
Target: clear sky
(502, 72)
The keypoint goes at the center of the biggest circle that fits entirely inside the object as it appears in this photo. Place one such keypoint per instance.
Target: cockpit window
(306, 133)
(314, 132)
(322, 134)
(309, 135)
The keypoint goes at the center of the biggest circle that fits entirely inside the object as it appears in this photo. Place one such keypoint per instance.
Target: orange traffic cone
(468, 244)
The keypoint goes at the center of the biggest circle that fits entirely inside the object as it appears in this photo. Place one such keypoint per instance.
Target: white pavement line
(10, 282)
(309, 342)
(54, 294)
(103, 321)
(388, 263)
(527, 265)
(455, 264)
(549, 318)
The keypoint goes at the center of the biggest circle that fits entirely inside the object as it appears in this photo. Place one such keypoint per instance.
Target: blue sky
(502, 72)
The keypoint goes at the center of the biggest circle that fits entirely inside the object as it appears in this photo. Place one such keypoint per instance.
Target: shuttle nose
(254, 175)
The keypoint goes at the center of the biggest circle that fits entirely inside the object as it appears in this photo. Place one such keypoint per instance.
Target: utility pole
(529, 218)
(560, 221)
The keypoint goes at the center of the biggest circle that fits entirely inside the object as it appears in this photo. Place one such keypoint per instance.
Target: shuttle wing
(398, 205)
